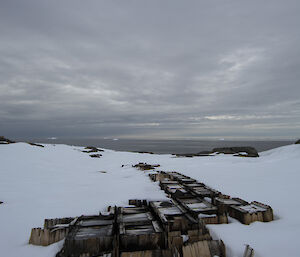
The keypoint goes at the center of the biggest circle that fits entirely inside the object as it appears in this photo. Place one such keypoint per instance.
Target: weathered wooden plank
(45, 237)
(249, 252)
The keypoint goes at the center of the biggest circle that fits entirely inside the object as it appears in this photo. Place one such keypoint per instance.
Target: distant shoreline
(168, 146)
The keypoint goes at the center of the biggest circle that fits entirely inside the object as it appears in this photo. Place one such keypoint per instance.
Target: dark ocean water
(163, 146)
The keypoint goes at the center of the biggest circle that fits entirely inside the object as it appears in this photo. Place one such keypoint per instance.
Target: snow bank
(58, 181)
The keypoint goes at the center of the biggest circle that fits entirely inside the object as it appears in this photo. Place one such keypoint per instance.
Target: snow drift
(59, 180)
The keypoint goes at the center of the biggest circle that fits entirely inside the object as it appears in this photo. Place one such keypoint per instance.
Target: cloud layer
(160, 69)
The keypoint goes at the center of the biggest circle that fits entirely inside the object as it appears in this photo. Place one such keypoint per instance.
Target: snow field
(60, 181)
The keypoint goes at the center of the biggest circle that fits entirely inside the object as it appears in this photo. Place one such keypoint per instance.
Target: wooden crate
(50, 223)
(153, 253)
(158, 176)
(177, 222)
(209, 248)
(223, 204)
(177, 191)
(167, 182)
(201, 209)
(252, 212)
(138, 229)
(45, 237)
(204, 191)
(54, 230)
(138, 202)
(179, 177)
(90, 236)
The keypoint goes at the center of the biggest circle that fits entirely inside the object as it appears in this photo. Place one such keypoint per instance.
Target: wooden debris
(51, 223)
(153, 253)
(158, 176)
(209, 248)
(54, 230)
(249, 252)
(138, 202)
(145, 166)
(46, 236)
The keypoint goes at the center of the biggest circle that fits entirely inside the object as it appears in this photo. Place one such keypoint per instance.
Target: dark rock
(96, 155)
(1, 202)
(251, 151)
(187, 155)
(298, 142)
(92, 149)
(202, 153)
(34, 144)
(4, 140)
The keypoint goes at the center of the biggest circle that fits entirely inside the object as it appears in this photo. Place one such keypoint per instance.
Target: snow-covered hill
(60, 180)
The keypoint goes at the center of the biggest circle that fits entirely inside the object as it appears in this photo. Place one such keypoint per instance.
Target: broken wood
(145, 166)
(249, 252)
(204, 248)
(45, 237)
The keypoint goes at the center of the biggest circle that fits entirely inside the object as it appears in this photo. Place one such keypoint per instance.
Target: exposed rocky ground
(242, 151)
(4, 140)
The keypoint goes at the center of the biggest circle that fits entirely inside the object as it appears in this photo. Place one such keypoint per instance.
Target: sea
(160, 146)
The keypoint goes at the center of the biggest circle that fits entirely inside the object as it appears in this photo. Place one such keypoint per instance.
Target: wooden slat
(203, 249)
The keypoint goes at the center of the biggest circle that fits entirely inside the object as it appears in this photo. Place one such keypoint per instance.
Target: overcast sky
(152, 69)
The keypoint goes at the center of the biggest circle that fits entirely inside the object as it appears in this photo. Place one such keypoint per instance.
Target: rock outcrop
(298, 142)
(243, 151)
(251, 151)
(4, 140)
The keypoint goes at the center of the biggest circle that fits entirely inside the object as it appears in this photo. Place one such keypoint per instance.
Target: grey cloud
(153, 69)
